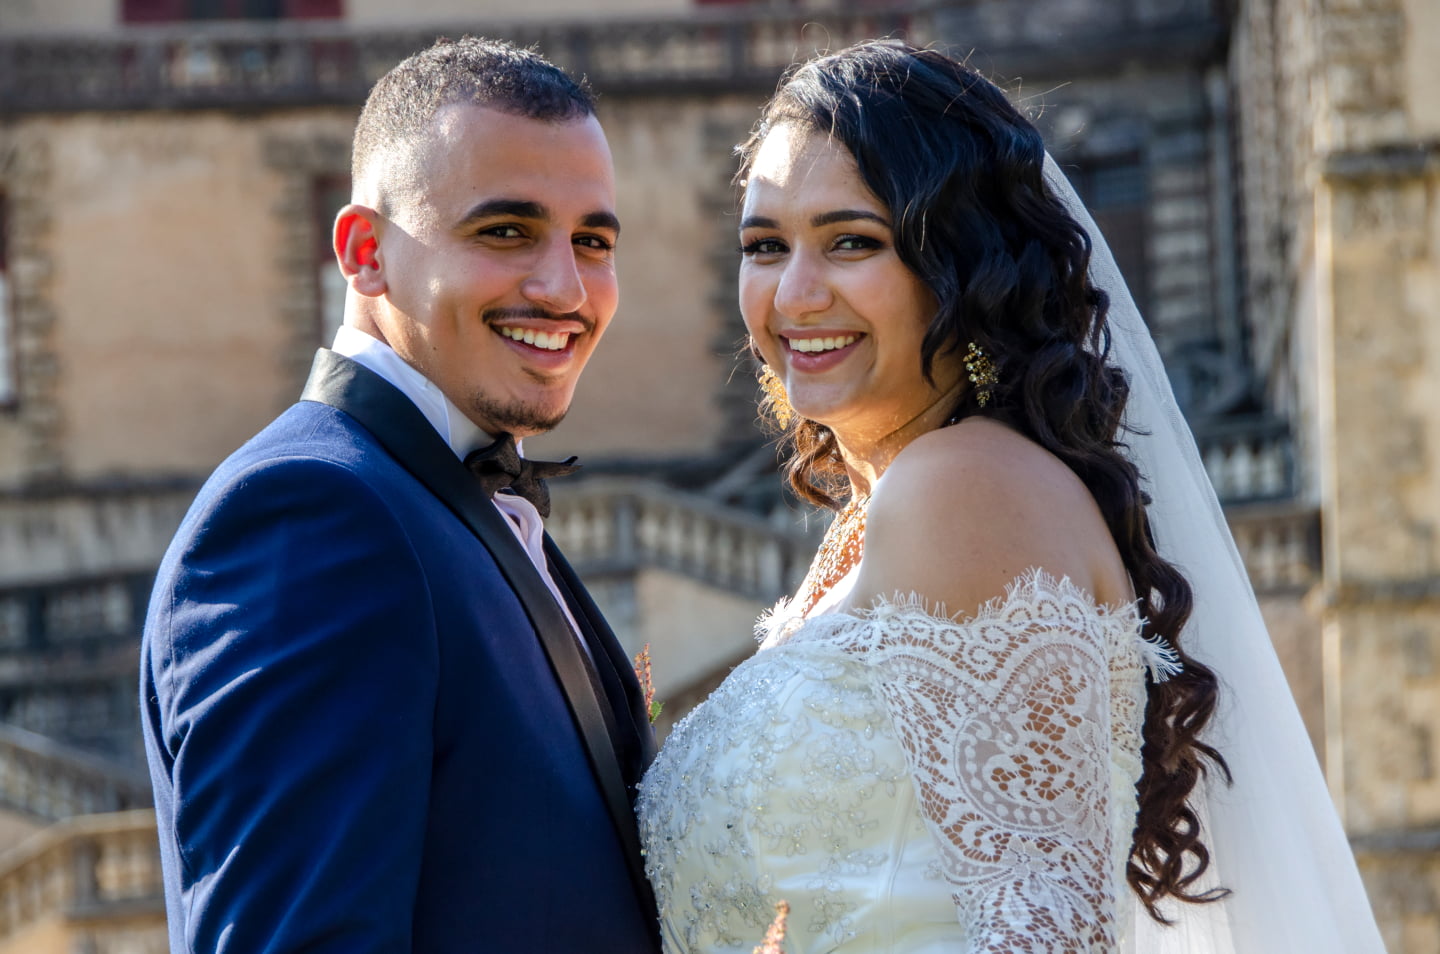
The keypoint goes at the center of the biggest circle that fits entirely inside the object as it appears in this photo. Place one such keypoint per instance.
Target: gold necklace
(839, 551)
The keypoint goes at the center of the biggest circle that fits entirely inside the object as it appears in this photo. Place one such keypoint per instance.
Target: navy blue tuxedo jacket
(369, 726)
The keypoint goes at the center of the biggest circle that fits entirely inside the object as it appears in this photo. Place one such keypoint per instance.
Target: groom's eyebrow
(511, 208)
(533, 211)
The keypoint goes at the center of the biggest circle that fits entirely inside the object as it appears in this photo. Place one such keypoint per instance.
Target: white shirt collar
(463, 437)
(455, 428)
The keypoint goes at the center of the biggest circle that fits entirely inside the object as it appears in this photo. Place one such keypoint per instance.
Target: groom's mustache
(492, 315)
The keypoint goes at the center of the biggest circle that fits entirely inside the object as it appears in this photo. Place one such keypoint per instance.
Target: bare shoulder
(965, 510)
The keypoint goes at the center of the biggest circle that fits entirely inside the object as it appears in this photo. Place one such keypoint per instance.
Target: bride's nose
(802, 289)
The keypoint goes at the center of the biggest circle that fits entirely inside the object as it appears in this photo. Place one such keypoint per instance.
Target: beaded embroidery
(802, 778)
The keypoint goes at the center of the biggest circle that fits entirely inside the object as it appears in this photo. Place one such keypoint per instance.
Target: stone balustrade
(49, 780)
(1280, 544)
(221, 64)
(316, 62)
(614, 527)
(1248, 460)
(83, 869)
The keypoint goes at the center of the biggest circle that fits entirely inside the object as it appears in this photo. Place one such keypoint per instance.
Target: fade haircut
(474, 70)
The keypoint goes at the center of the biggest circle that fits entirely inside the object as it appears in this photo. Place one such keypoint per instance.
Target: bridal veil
(1275, 838)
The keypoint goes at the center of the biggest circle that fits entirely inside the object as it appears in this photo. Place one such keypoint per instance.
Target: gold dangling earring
(982, 373)
(777, 401)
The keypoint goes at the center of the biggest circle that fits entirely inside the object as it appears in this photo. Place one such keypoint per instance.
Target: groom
(381, 712)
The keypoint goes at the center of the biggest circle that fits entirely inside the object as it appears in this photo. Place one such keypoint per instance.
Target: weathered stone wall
(1341, 188)
(30, 429)
(165, 284)
(1272, 57)
(167, 304)
(1380, 354)
(49, 16)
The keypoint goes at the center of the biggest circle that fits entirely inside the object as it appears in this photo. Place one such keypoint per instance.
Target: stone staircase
(610, 527)
(87, 884)
(84, 873)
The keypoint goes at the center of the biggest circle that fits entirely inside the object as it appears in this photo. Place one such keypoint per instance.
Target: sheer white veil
(1274, 837)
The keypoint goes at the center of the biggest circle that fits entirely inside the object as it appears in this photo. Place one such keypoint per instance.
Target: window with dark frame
(172, 11)
(1116, 191)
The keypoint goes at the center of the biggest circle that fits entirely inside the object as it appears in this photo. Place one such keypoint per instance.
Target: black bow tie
(500, 467)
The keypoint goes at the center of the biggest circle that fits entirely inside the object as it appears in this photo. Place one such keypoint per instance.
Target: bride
(1003, 711)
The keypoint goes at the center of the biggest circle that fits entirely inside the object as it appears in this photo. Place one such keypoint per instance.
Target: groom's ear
(357, 249)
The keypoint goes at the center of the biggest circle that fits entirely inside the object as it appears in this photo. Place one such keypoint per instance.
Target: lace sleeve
(1006, 725)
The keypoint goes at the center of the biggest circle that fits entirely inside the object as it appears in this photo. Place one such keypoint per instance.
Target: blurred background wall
(1266, 171)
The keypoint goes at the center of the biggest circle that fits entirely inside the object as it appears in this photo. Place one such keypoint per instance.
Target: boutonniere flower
(647, 685)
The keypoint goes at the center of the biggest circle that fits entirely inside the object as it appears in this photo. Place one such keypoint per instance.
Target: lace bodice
(908, 782)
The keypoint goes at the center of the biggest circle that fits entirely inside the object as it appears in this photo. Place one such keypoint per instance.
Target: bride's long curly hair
(960, 170)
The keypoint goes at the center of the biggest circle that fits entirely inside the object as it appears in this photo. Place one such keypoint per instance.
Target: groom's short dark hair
(474, 70)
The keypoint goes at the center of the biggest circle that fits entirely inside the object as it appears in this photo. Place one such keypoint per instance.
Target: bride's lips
(831, 348)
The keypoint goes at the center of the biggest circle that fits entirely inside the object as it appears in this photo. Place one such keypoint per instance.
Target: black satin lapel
(606, 641)
(403, 431)
(634, 744)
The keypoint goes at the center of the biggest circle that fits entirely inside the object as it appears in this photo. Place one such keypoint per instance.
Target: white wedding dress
(913, 784)
(907, 782)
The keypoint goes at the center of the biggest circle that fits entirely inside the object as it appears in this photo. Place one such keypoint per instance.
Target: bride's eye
(856, 243)
(764, 246)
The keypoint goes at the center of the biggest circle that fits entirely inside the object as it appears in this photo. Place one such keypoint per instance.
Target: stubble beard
(514, 417)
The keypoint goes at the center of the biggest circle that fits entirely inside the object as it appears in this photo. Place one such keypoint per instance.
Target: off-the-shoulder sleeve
(1005, 720)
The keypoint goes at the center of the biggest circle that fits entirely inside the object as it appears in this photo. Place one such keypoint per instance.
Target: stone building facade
(1341, 161)
(165, 194)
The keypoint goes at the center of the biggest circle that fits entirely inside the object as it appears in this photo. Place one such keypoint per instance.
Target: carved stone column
(1378, 263)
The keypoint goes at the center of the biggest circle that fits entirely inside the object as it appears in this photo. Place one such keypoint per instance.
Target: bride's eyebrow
(847, 215)
(822, 219)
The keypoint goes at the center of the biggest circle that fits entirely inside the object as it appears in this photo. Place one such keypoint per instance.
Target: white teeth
(548, 341)
(811, 345)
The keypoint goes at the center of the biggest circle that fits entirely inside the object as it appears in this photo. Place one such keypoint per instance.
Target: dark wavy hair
(961, 172)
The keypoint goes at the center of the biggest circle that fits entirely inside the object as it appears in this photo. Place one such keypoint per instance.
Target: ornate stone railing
(290, 63)
(208, 65)
(1248, 460)
(616, 527)
(87, 531)
(49, 780)
(1279, 542)
(83, 870)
